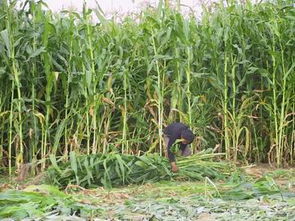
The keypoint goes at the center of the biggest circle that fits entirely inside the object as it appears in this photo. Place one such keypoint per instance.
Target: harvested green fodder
(115, 169)
(39, 201)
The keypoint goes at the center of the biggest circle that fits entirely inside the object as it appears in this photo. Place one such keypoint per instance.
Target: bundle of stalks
(116, 169)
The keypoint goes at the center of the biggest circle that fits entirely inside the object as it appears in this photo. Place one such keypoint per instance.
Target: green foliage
(115, 169)
(247, 190)
(38, 201)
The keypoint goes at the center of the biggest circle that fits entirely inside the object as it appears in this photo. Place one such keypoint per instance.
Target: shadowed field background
(68, 84)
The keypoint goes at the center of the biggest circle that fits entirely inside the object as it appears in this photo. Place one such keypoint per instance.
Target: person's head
(187, 136)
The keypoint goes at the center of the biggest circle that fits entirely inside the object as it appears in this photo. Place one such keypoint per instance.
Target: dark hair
(188, 135)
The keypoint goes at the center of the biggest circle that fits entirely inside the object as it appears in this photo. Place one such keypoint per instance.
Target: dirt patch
(206, 217)
(258, 170)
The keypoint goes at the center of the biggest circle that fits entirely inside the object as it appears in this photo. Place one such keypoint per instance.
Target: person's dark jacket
(173, 132)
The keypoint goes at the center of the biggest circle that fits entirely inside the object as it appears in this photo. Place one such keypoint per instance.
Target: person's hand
(174, 168)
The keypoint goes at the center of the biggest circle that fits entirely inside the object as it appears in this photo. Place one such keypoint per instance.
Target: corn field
(70, 84)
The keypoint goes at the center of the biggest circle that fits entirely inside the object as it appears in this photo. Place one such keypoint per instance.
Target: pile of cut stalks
(114, 169)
